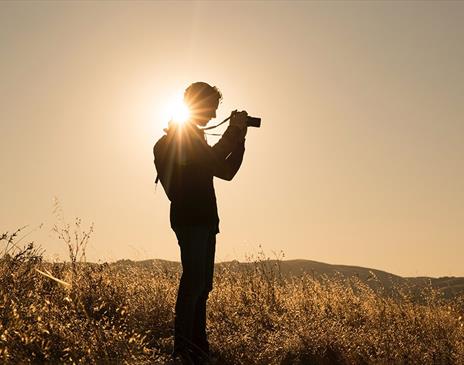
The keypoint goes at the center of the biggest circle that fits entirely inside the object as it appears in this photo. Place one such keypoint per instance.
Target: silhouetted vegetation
(84, 313)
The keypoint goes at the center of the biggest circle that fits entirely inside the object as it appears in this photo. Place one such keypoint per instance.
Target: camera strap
(215, 126)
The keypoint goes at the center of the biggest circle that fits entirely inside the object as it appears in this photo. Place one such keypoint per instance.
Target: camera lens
(253, 122)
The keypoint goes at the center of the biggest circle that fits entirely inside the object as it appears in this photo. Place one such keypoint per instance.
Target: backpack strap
(156, 182)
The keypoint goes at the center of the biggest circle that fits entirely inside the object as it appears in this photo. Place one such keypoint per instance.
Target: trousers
(197, 249)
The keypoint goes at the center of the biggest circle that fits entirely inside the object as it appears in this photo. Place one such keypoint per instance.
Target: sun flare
(179, 112)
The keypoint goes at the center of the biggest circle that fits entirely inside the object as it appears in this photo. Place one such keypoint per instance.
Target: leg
(193, 242)
(199, 324)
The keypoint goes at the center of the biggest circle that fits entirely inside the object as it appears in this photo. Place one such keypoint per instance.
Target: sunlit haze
(358, 161)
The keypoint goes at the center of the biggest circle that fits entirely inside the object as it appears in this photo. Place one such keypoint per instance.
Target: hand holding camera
(250, 121)
(239, 120)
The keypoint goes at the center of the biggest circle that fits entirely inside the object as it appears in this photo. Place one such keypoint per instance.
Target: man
(186, 165)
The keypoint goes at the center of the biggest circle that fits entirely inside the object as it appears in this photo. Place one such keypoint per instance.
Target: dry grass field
(84, 313)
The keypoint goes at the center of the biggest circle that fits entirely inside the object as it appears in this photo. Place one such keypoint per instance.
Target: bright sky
(359, 160)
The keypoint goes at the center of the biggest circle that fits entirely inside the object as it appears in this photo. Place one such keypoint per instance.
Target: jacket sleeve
(227, 143)
(232, 163)
(225, 157)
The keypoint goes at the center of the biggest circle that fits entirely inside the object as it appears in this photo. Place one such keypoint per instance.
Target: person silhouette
(186, 165)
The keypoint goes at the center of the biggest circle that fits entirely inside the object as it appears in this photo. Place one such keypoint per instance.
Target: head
(202, 100)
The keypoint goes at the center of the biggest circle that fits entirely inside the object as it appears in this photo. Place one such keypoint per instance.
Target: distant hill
(450, 286)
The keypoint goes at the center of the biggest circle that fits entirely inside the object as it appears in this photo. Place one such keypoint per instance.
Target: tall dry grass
(77, 312)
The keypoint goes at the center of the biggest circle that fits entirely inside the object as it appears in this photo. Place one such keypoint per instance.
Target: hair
(201, 92)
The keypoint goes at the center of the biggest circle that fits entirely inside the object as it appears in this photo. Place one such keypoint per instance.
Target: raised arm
(231, 164)
(225, 157)
(227, 143)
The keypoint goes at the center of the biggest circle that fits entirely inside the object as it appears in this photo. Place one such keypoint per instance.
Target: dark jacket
(186, 165)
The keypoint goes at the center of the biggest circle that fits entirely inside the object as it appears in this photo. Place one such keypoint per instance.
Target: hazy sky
(359, 159)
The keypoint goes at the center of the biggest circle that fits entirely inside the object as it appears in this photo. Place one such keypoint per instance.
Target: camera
(250, 121)
(253, 122)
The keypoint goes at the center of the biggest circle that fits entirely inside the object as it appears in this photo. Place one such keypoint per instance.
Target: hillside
(450, 286)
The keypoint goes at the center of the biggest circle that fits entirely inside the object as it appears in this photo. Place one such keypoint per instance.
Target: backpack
(168, 159)
(160, 155)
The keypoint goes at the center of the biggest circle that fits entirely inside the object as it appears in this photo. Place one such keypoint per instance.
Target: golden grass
(124, 314)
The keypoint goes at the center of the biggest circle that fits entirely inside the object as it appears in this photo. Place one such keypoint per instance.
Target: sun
(178, 111)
